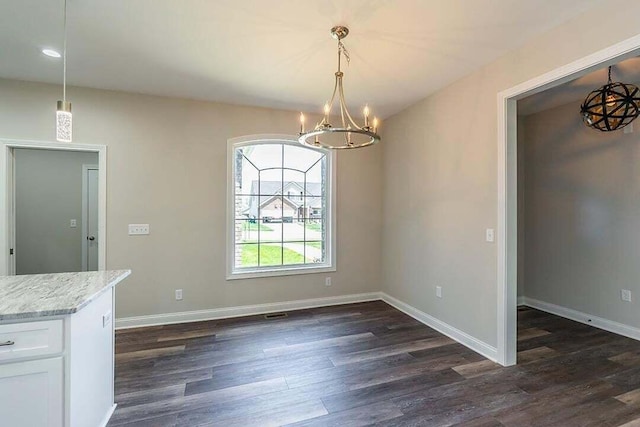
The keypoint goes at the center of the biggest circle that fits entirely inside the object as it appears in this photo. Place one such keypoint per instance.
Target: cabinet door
(31, 393)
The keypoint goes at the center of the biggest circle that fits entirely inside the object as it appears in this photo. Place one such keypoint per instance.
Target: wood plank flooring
(369, 364)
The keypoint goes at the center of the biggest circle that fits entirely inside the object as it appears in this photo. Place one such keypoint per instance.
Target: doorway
(53, 207)
(89, 242)
(507, 229)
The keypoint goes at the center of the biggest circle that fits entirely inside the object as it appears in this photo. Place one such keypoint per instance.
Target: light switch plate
(73, 223)
(178, 294)
(439, 291)
(138, 229)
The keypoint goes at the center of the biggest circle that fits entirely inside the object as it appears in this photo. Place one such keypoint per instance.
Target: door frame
(507, 140)
(7, 196)
(85, 214)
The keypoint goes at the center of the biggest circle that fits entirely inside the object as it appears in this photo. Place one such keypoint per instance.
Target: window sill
(288, 271)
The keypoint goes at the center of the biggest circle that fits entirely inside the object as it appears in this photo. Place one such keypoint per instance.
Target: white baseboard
(587, 319)
(463, 338)
(108, 415)
(249, 310)
(521, 301)
(244, 310)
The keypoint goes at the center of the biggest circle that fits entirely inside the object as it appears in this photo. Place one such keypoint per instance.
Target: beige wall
(582, 215)
(440, 158)
(167, 167)
(48, 194)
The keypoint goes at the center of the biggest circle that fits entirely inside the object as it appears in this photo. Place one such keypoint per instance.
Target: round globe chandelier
(347, 134)
(611, 107)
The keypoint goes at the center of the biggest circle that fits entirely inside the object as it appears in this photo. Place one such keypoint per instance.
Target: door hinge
(11, 251)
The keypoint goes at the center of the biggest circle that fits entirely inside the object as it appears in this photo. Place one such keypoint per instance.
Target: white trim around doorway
(7, 209)
(507, 180)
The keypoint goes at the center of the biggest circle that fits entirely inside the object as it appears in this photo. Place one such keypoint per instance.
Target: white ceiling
(627, 71)
(275, 53)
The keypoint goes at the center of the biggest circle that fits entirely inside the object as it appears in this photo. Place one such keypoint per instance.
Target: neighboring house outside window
(281, 208)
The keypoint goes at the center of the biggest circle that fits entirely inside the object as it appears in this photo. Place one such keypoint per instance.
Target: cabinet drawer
(30, 339)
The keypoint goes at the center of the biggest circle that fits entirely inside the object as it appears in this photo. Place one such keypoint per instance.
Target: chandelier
(611, 107)
(348, 134)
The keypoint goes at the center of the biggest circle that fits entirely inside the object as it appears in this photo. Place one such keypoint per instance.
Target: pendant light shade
(611, 107)
(64, 118)
(64, 122)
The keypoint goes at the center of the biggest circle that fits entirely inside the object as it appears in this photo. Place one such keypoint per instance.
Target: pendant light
(64, 119)
(348, 134)
(611, 107)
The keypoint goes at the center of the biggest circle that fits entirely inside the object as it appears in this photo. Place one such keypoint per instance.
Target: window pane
(250, 230)
(245, 207)
(314, 252)
(246, 175)
(246, 255)
(270, 182)
(264, 155)
(315, 181)
(307, 252)
(300, 158)
(270, 254)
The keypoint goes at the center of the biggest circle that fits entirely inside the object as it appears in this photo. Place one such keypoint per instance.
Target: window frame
(330, 239)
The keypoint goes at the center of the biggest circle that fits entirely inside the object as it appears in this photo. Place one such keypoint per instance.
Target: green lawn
(269, 255)
(314, 226)
(252, 226)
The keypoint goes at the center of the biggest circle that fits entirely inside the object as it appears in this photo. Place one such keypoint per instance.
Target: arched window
(281, 210)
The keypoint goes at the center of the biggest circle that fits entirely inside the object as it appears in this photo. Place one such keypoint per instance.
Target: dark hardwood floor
(364, 364)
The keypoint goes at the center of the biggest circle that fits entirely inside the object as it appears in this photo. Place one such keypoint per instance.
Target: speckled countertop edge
(57, 294)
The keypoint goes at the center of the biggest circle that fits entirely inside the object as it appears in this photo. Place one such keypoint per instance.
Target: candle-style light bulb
(327, 110)
(366, 112)
(375, 124)
(301, 123)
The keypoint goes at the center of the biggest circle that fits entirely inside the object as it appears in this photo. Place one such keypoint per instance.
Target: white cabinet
(58, 372)
(30, 339)
(31, 393)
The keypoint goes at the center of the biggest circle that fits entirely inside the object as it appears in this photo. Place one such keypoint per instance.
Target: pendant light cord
(64, 55)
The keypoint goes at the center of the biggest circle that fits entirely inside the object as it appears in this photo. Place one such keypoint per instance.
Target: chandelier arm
(333, 97)
(342, 100)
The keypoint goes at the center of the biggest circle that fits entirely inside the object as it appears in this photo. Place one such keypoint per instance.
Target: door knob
(92, 238)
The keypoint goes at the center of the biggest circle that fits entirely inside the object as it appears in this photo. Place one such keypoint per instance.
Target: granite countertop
(56, 294)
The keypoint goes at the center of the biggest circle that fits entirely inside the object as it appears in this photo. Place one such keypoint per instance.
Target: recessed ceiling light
(52, 53)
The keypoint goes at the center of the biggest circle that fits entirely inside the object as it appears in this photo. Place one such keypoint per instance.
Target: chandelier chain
(344, 50)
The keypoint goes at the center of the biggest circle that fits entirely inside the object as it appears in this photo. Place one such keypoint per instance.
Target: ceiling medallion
(611, 107)
(348, 134)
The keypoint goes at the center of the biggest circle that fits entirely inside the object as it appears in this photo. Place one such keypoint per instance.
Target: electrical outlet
(138, 229)
(178, 294)
(327, 281)
(439, 291)
(73, 223)
(625, 295)
(490, 235)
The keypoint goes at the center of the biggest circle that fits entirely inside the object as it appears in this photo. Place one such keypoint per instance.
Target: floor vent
(271, 316)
